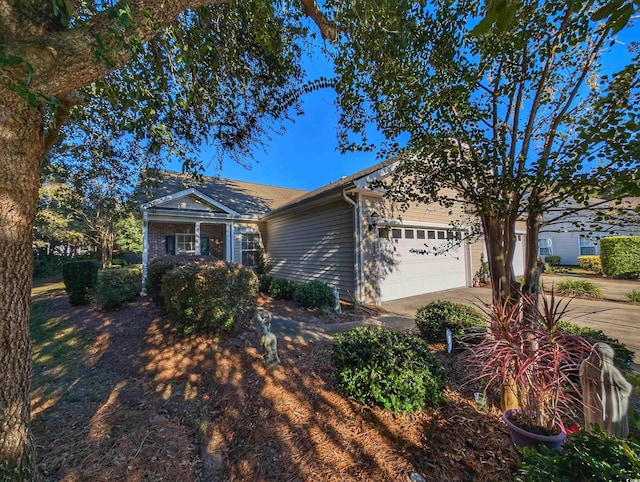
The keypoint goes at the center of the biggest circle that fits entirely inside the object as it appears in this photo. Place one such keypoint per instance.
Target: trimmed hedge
(117, 285)
(623, 356)
(158, 267)
(282, 289)
(379, 367)
(433, 319)
(590, 263)
(316, 295)
(552, 260)
(80, 278)
(209, 296)
(620, 256)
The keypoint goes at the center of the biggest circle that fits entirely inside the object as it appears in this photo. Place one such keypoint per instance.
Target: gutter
(357, 237)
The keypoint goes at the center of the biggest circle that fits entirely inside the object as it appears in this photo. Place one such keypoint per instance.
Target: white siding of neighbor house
(565, 239)
(313, 244)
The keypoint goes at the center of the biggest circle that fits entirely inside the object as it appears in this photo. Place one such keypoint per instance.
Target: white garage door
(414, 261)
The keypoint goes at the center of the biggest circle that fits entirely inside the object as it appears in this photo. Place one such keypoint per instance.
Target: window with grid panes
(250, 248)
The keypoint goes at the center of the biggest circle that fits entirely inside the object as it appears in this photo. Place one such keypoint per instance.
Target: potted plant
(535, 363)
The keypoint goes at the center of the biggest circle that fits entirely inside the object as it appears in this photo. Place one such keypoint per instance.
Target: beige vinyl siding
(314, 244)
(191, 203)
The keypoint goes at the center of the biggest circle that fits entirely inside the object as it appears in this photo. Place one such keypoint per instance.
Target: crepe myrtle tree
(511, 122)
(172, 74)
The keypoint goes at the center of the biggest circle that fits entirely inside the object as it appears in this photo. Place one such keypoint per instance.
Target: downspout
(357, 236)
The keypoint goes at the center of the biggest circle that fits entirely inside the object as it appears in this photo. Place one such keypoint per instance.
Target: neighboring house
(344, 233)
(579, 231)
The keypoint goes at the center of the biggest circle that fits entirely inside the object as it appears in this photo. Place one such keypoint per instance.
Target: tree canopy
(515, 120)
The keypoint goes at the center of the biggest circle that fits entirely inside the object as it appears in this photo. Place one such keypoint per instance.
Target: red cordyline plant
(533, 358)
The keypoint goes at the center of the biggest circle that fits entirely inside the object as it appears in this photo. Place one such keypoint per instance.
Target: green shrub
(117, 285)
(620, 256)
(623, 357)
(130, 257)
(48, 265)
(158, 267)
(264, 282)
(433, 319)
(552, 260)
(579, 287)
(80, 279)
(633, 296)
(119, 262)
(282, 289)
(590, 263)
(584, 456)
(209, 296)
(379, 367)
(316, 295)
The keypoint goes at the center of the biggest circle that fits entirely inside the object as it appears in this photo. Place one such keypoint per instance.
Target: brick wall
(158, 231)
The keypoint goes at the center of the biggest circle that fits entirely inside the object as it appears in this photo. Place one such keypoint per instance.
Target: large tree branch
(59, 62)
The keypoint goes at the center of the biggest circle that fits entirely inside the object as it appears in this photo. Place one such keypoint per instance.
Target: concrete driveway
(616, 318)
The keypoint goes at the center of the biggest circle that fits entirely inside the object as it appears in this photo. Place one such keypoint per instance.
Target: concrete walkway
(617, 319)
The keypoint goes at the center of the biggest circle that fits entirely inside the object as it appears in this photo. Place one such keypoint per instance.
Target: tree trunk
(21, 151)
(501, 279)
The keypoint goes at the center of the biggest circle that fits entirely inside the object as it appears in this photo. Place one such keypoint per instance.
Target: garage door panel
(414, 268)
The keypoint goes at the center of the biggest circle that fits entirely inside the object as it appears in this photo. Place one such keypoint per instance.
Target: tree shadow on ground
(140, 402)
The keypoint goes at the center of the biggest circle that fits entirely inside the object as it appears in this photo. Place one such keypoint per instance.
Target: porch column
(145, 248)
(228, 256)
(198, 251)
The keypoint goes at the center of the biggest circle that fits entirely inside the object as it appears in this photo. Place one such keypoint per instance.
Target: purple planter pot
(522, 438)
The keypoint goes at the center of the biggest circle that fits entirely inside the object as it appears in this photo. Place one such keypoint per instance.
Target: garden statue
(268, 340)
(605, 392)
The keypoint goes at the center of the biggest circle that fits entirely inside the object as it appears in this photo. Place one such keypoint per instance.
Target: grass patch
(59, 368)
(579, 287)
(633, 296)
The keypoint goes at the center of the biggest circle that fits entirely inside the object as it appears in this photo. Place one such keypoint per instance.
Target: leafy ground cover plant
(579, 287)
(526, 350)
(315, 295)
(379, 367)
(623, 357)
(435, 318)
(584, 456)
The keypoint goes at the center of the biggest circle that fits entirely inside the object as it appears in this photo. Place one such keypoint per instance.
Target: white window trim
(254, 250)
(178, 250)
(547, 245)
(593, 243)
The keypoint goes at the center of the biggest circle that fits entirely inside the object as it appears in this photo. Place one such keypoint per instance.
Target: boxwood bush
(620, 256)
(209, 296)
(379, 367)
(584, 456)
(80, 278)
(623, 356)
(316, 295)
(282, 289)
(117, 285)
(433, 319)
(590, 263)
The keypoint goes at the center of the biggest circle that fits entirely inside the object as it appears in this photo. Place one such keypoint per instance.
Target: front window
(185, 244)
(545, 247)
(250, 248)
(588, 246)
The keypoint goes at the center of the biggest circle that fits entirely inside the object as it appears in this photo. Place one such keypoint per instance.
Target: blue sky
(306, 156)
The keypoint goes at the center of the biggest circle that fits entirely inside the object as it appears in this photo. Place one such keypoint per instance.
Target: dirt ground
(141, 403)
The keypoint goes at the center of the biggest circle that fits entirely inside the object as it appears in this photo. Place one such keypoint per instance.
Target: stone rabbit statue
(268, 340)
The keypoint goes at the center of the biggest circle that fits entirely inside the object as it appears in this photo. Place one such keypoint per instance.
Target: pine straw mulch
(146, 404)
